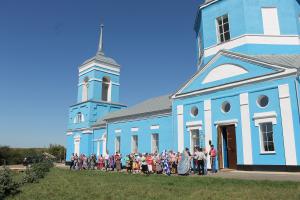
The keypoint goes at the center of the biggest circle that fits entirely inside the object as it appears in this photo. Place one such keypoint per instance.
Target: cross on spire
(100, 48)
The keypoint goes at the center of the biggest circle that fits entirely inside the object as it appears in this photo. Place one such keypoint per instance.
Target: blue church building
(243, 99)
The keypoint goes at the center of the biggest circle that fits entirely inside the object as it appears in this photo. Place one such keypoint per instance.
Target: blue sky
(42, 43)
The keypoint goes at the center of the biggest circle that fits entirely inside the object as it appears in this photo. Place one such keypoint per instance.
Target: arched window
(79, 118)
(106, 90)
(85, 89)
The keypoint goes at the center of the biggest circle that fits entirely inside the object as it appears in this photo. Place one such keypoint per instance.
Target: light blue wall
(95, 86)
(92, 112)
(269, 88)
(144, 133)
(245, 18)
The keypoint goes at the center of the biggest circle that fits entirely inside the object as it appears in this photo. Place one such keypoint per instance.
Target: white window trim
(119, 148)
(77, 142)
(262, 151)
(194, 125)
(132, 142)
(152, 138)
(154, 127)
(265, 117)
(118, 131)
(217, 29)
(191, 139)
(227, 122)
(134, 129)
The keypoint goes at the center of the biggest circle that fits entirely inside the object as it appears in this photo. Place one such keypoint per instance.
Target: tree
(58, 151)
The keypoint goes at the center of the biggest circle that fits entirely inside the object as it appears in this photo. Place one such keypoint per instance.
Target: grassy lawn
(90, 185)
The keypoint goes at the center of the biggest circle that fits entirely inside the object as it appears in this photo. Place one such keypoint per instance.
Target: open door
(231, 148)
(219, 148)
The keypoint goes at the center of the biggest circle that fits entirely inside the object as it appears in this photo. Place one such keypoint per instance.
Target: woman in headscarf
(184, 163)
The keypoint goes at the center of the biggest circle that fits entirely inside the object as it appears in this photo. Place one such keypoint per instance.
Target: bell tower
(99, 77)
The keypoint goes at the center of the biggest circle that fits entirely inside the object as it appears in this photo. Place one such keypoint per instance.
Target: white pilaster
(207, 128)
(246, 129)
(287, 124)
(180, 128)
(103, 139)
(98, 148)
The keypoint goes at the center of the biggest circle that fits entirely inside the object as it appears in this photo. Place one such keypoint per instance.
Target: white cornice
(99, 80)
(98, 64)
(253, 39)
(97, 69)
(240, 83)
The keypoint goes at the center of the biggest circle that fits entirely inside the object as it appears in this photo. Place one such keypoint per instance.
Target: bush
(7, 185)
(30, 176)
(37, 171)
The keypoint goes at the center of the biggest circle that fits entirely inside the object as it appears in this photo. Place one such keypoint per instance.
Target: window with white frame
(155, 143)
(118, 144)
(195, 139)
(79, 118)
(270, 21)
(134, 144)
(223, 28)
(266, 135)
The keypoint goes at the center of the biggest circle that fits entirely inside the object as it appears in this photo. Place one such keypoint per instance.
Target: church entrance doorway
(227, 155)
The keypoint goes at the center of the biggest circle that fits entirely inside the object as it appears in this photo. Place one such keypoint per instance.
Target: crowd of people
(168, 162)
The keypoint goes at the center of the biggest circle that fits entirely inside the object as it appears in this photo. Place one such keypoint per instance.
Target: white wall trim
(246, 129)
(87, 131)
(154, 127)
(265, 117)
(286, 72)
(180, 128)
(270, 21)
(97, 69)
(207, 127)
(239, 83)
(227, 122)
(253, 39)
(98, 64)
(287, 124)
(77, 137)
(69, 133)
(194, 123)
(99, 80)
(201, 7)
(134, 129)
(189, 128)
(222, 72)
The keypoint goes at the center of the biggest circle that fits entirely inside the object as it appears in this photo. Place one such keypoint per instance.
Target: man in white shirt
(200, 156)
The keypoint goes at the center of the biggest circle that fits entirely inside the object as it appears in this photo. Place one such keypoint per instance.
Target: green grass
(90, 185)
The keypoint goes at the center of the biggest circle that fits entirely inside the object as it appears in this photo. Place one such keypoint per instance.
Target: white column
(246, 129)
(104, 150)
(98, 147)
(180, 128)
(208, 128)
(287, 124)
(109, 92)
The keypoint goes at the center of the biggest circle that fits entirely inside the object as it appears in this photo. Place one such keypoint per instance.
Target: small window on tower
(223, 29)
